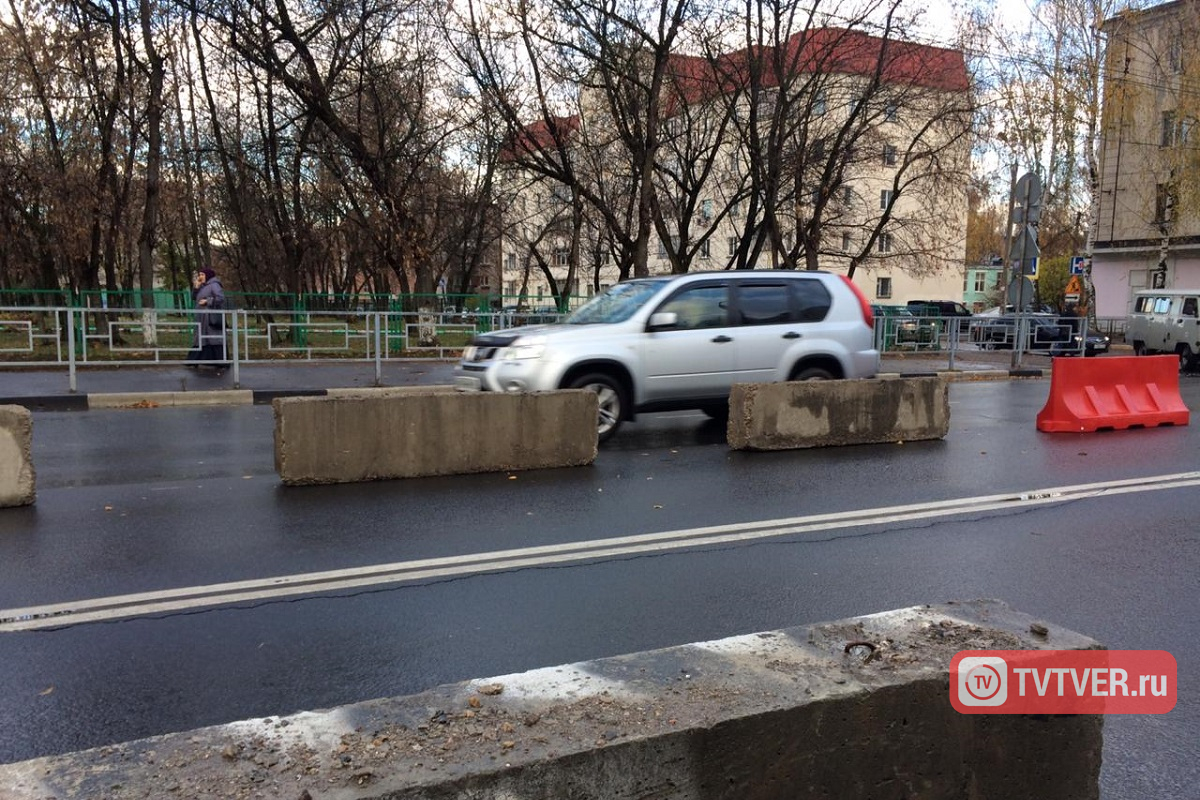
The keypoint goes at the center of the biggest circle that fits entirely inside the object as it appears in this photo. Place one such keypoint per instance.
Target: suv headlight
(532, 347)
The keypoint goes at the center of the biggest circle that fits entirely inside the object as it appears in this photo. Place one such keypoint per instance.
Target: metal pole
(71, 349)
(378, 351)
(237, 373)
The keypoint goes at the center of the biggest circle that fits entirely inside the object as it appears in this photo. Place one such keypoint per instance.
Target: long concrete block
(364, 437)
(18, 479)
(786, 416)
(219, 397)
(781, 715)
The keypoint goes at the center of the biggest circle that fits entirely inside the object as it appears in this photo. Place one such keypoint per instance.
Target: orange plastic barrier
(1087, 394)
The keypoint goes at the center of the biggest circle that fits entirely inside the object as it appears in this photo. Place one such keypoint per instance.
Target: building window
(703, 250)
(820, 103)
(733, 245)
(1168, 128)
(562, 256)
(889, 155)
(847, 195)
(1164, 202)
(847, 240)
(706, 210)
(510, 261)
(885, 243)
(883, 288)
(662, 249)
(891, 112)
(885, 199)
(1175, 53)
(980, 281)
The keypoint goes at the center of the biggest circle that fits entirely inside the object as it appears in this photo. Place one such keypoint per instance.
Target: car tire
(1188, 361)
(611, 395)
(811, 374)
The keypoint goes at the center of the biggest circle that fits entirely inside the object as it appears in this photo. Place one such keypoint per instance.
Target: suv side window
(764, 304)
(811, 298)
(699, 307)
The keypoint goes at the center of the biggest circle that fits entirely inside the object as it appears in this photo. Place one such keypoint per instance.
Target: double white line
(265, 589)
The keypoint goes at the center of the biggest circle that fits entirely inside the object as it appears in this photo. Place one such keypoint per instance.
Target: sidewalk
(49, 389)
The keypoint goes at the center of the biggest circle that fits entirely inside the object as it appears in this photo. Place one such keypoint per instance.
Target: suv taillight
(868, 315)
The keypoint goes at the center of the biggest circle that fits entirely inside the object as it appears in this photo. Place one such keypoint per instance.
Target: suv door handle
(791, 335)
(722, 339)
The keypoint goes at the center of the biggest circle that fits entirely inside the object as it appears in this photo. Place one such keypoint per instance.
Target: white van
(1166, 321)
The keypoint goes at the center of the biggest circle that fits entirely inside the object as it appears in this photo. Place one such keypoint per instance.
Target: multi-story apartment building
(870, 174)
(1147, 227)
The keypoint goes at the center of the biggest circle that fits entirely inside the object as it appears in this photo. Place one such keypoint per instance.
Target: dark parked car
(1000, 332)
(901, 327)
(938, 308)
(1090, 343)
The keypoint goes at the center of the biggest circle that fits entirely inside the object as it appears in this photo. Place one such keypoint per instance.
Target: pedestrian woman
(209, 342)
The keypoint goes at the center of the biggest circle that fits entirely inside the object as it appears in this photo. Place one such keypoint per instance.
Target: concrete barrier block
(390, 391)
(778, 715)
(219, 397)
(785, 416)
(344, 439)
(17, 476)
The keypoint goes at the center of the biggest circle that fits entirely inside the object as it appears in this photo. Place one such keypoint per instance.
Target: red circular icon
(971, 691)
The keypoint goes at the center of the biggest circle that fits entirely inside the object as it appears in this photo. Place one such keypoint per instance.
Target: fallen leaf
(474, 702)
(45, 692)
(658, 506)
(108, 508)
(512, 477)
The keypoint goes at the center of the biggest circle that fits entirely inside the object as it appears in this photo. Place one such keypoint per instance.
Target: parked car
(1166, 321)
(681, 341)
(1084, 340)
(1042, 332)
(901, 327)
(938, 308)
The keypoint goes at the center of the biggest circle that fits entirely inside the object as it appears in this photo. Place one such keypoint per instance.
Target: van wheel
(1188, 361)
(1139, 348)
(811, 374)
(611, 395)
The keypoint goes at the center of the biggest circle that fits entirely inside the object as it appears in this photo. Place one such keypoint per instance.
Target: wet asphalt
(146, 499)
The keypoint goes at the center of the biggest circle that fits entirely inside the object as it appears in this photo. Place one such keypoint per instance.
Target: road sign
(1020, 292)
(1080, 265)
(1024, 247)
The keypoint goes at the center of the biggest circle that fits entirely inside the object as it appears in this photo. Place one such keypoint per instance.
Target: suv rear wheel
(812, 374)
(611, 395)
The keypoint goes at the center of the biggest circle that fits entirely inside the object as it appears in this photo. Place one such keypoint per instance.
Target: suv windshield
(615, 305)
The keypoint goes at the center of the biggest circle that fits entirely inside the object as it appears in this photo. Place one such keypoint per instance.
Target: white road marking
(194, 597)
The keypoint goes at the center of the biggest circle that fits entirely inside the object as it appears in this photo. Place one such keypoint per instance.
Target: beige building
(1147, 227)
(910, 161)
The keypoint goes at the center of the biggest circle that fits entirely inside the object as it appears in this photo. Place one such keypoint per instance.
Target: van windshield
(617, 304)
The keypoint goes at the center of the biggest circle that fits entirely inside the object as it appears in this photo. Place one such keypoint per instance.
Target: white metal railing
(44, 336)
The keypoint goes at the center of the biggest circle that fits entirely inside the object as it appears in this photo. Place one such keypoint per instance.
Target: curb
(118, 400)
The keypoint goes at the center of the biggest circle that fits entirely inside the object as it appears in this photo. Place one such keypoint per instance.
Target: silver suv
(675, 342)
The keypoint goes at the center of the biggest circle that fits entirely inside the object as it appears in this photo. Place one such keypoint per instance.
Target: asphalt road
(155, 499)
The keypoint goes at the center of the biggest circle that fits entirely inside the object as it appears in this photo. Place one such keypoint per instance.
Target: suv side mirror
(663, 319)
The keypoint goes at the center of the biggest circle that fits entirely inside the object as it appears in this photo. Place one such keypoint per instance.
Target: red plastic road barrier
(1087, 394)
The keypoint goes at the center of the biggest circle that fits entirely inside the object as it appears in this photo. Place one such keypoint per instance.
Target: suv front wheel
(611, 396)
